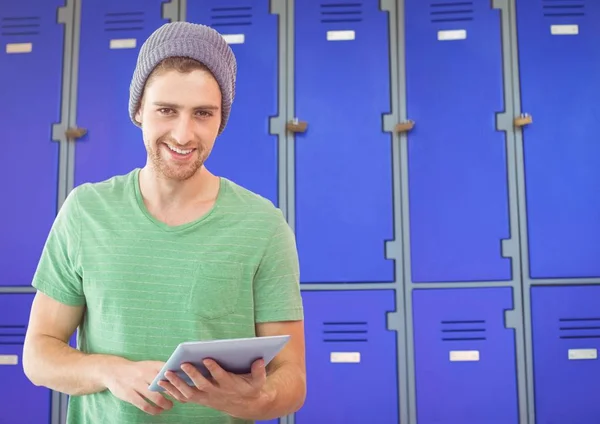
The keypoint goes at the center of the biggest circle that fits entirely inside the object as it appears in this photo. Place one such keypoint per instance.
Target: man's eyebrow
(176, 106)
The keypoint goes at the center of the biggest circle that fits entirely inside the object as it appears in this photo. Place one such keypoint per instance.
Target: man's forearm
(51, 363)
(284, 393)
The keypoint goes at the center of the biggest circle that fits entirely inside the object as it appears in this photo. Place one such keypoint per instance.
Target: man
(167, 254)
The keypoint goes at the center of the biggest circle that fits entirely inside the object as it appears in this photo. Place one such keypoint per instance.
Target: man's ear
(138, 113)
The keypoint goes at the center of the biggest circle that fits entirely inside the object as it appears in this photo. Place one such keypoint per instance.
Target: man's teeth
(181, 152)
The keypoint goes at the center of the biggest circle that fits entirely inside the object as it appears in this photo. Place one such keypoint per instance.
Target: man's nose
(183, 133)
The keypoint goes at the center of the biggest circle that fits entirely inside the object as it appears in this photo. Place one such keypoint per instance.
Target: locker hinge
(394, 321)
(499, 4)
(65, 14)
(511, 319)
(509, 248)
(393, 250)
(170, 10)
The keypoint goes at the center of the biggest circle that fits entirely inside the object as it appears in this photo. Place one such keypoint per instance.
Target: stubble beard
(172, 170)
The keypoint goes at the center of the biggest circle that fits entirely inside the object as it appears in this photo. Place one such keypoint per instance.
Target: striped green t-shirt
(148, 286)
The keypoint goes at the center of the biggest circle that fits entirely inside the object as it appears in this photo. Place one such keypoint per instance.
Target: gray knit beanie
(195, 41)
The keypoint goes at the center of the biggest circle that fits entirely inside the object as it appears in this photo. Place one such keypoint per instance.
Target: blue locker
(31, 39)
(246, 152)
(18, 394)
(566, 340)
(465, 364)
(351, 358)
(560, 147)
(343, 167)
(457, 160)
(112, 32)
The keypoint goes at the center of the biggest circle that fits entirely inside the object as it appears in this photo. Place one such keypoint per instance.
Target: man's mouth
(180, 151)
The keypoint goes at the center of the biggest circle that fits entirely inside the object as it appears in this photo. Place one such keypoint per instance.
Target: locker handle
(523, 120)
(297, 126)
(405, 126)
(74, 133)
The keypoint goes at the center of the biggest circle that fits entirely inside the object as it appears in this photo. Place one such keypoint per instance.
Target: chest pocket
(215, 290)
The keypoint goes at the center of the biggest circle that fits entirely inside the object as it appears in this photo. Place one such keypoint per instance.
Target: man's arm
(285, 389)
(57, 310)
(279, 311)
(49, 361)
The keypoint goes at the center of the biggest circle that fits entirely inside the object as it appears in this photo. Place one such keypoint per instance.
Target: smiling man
(166, 254)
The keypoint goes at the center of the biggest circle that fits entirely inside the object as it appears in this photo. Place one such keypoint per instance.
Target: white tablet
(233, 355)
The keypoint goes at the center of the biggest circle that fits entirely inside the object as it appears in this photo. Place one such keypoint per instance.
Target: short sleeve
(58, 273)
(277, 294)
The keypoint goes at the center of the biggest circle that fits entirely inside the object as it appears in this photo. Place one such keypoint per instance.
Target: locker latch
(405, 126)
(523, 120)
(74, 133)
(297, 126)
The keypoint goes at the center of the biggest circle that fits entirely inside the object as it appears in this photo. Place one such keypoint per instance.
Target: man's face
(180, 116)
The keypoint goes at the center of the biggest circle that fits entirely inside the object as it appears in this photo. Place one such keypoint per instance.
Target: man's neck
(181, 201)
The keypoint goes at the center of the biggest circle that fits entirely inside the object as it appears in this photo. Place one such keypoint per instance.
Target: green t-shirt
(148, 286)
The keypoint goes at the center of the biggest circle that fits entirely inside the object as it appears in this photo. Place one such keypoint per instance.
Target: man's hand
(129, 382)
(236, 395)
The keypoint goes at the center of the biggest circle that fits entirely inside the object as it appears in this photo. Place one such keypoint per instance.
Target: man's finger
(219, 375)
(138, 401)
(258, 373)
(201, 382)
(172, 391)
(180, 385)
(157, 398)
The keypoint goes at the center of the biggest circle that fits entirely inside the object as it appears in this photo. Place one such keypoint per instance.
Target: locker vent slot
(231, 16)
(341, 12)
(464, 330)
(562, 8)
(20, 25)
(12, 334)
(451, 11)
(579, 328)
(124, 21)
(345, 332)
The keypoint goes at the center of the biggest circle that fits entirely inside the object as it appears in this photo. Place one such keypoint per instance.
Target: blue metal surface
(451, 392)
(22, 402)
(343, 161)
(458, 184)
(246, 153)
(560, 88)
(566, 318)
(113, 144)
(350, 393)
(32, 104)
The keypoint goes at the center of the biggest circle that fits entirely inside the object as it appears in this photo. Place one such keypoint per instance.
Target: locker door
(351, 358)
(112, 32)
(18, 394)
(465, 362)
(566, 340)
(343, 168)
(457, 177)
(246, 152)
(31, 39)
(560, 147)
